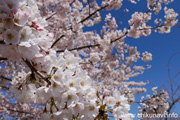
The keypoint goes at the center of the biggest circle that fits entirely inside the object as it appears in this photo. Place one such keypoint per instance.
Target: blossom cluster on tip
(23, 30)
(157, 103)
(139, 20)
(170, 20)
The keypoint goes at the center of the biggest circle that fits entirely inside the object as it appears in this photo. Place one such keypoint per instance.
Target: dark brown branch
(28, 115)
(4, 88)
(152, 7)
(79, 48)
(37, 72)
(120, 37)
(89, 16)
(1, 58)
(124, 12)
(155, 27)
(5, 78)
(32, 116)
(51, 16)
(2, 42)
(57, 40)
(72, 2)
(89, 7)
(22, 112)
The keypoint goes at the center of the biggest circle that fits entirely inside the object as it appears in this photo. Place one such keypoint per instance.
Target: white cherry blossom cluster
(71, 93)
(147, 57)
(23, 30)
(138, 26)
(157, 103)
(170, 20)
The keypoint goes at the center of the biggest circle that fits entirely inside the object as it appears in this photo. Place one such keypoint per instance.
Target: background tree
(174, 87)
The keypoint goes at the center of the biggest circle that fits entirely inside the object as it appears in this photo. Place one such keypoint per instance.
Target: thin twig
(169, 75)
(37, 72)
(4, 87)
(72, 2)
(57, 40)
(172, 104)
(51, 16)
(22, 112)
(177, 89)
(89, 16)
(5, 78)
(79, 48)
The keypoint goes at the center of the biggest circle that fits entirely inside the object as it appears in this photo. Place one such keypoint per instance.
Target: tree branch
(51, 16)
(4, 87)
(1, 58)
(2, 42)
(37, 72)
(72, 2)
(5, 78)
(57, 40)
(101, 8)
(79, 48)
(172, 104)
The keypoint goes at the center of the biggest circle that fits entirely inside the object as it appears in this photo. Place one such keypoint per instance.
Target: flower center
(16, 20)
(10, 36)
(69, 97)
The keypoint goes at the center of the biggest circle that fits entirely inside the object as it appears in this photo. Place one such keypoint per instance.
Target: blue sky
(162, 46)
